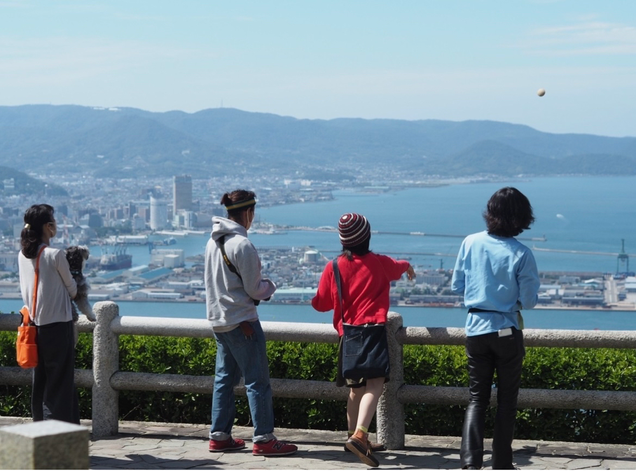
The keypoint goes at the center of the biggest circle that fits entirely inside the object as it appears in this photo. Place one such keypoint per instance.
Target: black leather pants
(486, 354)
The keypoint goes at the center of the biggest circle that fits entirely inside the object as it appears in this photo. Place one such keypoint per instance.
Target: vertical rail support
(105, 363)
(390, 412)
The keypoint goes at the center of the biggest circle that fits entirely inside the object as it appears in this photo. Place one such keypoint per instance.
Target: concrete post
(390, 412)
(105, 364)
(49, 444)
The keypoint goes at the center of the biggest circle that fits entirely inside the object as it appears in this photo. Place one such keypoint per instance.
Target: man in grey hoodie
(234, 287)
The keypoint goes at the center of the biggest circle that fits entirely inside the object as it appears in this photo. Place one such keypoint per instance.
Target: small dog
(77, 256)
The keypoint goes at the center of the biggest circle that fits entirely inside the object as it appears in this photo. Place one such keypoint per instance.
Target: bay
(583, 214)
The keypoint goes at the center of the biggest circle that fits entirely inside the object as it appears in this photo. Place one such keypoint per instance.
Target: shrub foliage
(546, 368)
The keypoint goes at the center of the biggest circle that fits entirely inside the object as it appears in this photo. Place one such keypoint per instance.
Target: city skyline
(455, 60)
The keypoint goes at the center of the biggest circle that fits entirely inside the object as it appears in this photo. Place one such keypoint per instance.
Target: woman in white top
(54, 395)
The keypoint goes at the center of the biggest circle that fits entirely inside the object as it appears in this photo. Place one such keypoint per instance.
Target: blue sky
(399, 59)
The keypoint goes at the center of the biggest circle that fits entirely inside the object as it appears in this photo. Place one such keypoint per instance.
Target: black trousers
(486, 354)
(53, 393)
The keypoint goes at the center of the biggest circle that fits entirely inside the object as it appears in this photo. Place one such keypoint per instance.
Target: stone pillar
(390, 413)
(49, 444)
(105, 363)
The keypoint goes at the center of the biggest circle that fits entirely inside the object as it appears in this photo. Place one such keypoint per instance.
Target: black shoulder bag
(365, 349)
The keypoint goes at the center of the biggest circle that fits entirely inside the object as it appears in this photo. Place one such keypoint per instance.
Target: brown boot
(375, 447)
(359, 445)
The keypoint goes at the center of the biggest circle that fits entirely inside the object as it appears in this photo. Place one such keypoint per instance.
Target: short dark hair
(34, 220)
(508, 213)
(361, 249)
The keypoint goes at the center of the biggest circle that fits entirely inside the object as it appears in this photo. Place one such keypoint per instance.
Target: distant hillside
(24, 184)
(223, 141)
(494, 157)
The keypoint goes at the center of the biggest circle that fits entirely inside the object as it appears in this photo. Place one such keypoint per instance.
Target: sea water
(584, 214)
(414, 316)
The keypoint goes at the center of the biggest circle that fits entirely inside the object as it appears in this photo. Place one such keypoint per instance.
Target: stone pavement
(145, 445)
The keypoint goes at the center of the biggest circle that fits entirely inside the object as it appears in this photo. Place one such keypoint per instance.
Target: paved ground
(177, 446)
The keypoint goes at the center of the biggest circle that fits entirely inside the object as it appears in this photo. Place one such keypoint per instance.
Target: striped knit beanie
(353, 229)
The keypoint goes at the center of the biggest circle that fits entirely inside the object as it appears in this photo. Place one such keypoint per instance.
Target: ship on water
(114, 257)
(127, 240)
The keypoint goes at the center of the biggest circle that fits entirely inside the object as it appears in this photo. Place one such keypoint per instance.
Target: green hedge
(547, 368)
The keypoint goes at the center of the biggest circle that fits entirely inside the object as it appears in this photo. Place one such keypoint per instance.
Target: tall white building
(182, 193)
(158, 214)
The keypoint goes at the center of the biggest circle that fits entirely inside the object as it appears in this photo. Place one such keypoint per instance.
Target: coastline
(191, 300)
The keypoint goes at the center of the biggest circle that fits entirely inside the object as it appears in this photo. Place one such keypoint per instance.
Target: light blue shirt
(497, 275)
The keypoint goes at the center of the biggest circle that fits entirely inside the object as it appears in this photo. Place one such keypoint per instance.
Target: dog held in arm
(77, 256)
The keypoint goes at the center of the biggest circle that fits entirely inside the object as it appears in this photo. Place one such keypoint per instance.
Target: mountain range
(124, 142)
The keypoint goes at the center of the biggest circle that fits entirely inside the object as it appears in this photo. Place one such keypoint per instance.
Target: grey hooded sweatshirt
(229, 301)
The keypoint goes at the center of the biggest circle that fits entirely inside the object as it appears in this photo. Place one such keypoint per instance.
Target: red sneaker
(227, 445)
(273, 448)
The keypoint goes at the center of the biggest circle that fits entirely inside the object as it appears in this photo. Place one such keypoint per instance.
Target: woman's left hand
(410, 273)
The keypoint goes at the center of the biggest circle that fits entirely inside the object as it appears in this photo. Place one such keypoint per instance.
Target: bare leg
(353, 405)
(368, 402)
(366, 398)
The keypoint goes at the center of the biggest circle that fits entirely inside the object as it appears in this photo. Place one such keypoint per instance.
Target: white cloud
(583, 38)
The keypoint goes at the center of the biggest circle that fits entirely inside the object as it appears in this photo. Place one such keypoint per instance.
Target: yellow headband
(241, 204)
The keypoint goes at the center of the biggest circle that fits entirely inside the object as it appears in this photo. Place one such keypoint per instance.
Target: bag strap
(229, 264)
(336, 274)
(35, 288)
(232, 268)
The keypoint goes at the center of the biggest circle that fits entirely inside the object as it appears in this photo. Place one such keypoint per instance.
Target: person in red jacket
(365, 282)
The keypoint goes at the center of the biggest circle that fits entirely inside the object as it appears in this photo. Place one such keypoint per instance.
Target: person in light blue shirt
(498, 277)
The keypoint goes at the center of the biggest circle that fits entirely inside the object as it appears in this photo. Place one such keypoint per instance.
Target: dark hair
(361, 249)
(236, 197)
(508, 213)
(34, 220)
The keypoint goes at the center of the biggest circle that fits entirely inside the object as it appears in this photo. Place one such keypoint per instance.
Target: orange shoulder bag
(26, 345)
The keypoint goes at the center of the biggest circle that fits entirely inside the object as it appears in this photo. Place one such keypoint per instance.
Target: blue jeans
(236, 356)
(486, 354)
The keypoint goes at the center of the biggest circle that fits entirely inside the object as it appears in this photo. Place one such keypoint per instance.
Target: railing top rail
(201, 328)
(324, 333)
(10, 323)
(532, 337)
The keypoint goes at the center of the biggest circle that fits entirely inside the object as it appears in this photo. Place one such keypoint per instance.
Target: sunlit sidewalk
(148, 445)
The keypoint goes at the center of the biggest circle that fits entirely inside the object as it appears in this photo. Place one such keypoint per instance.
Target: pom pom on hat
(353, 229)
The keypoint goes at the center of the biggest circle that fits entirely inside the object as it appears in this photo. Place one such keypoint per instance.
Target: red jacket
(365, 284)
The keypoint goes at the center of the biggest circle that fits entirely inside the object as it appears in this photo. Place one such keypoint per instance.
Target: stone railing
(106, 380)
